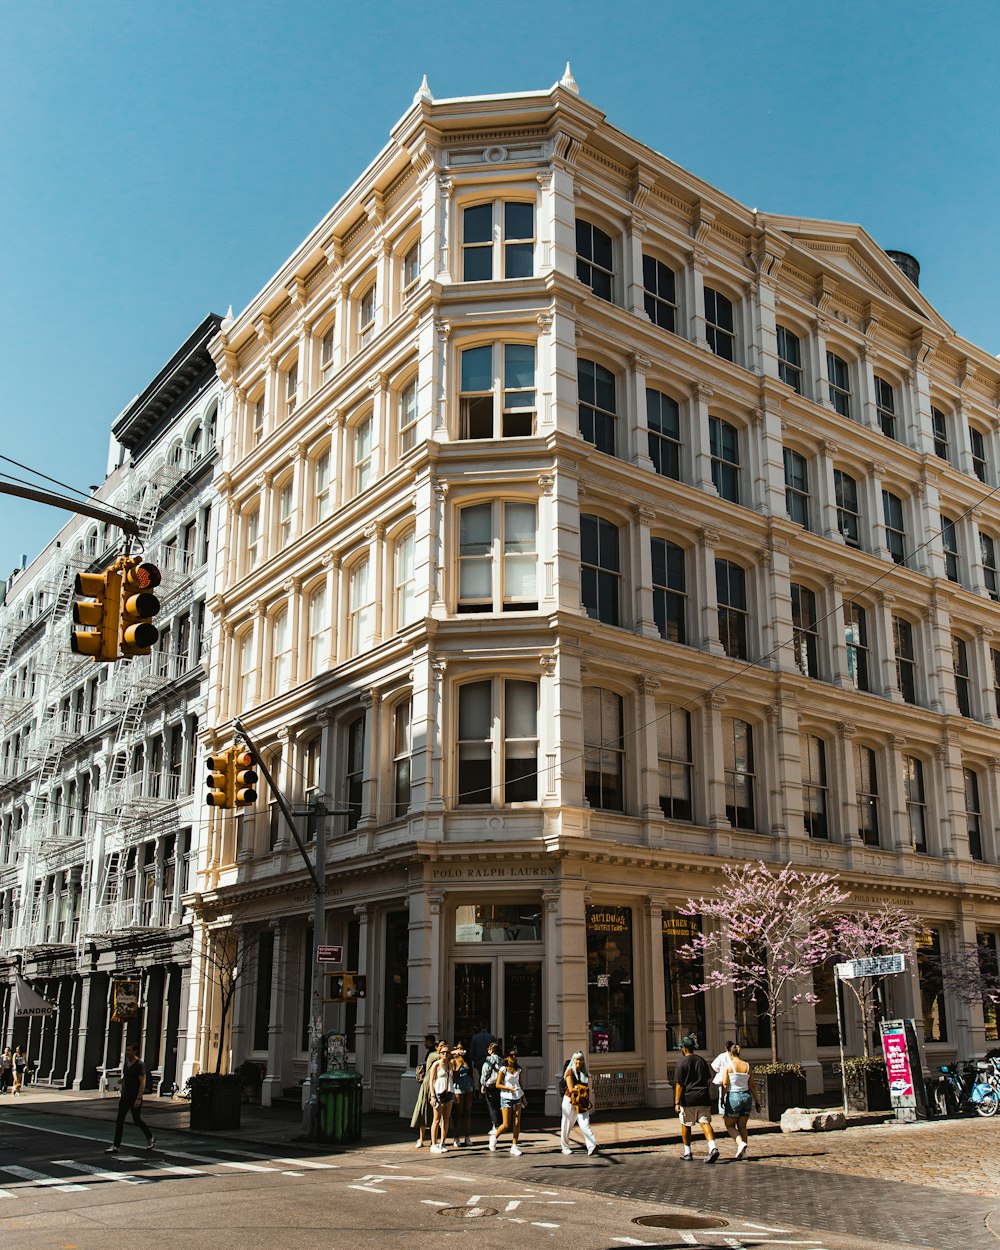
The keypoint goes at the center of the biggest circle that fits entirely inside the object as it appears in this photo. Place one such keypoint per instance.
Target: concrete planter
(868, 1090)
(215, 1102)
(778, 1092)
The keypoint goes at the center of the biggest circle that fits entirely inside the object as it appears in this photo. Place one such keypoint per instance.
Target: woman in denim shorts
(738, 1091)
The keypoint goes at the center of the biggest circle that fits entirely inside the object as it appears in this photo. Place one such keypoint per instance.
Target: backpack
(561, 1083)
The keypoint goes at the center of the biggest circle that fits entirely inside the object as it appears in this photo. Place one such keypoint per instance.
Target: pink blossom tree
(772, 928)
(861, 935)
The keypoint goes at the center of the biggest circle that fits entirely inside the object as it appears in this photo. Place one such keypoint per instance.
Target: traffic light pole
(310, 1115)
(79, 506)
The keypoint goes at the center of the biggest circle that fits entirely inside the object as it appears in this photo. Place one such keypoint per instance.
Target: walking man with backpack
(692, 1099)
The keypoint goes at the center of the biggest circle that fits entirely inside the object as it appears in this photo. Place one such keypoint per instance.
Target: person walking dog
(738, 1089)
(576, 1104)
(692, 1099)
(133, 1087)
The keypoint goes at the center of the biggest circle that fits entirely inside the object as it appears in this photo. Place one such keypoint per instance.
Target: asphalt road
(60, 1191)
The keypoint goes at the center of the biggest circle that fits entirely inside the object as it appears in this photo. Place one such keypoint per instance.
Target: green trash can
(340, 1106)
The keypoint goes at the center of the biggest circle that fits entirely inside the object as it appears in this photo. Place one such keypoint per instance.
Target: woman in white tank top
(738, 1091)
(441, 1079)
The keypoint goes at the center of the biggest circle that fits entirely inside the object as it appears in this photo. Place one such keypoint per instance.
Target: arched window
(281, 653)
(916, 802)
(407, 426)
(663, 421)
(404, 580)
(805, 631)
(361, 622)
(669, 590)
(724, 448)
(815, 788)
(319, 631)
(866, 788)
(673, 749)
(734, 614)
(598, 405)
(363, 446)
(660, 292)
(247, 669)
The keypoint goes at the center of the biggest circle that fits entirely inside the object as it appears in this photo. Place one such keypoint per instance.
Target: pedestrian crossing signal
(347, 987)
(244, 778)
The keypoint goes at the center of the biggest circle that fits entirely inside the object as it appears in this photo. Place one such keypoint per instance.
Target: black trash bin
(339, 1100)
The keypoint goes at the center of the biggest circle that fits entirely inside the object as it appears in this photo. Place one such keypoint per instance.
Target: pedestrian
(738, 1089)
(576, 1104)
(512, 1103)
(422, 1110)
(133, 1087)
(6, 1070)
(479, 1044)
(20, 1061)
(720, 1065)
(442, 1090)
(488, 1083)
(692, 1079)
(464, 1092)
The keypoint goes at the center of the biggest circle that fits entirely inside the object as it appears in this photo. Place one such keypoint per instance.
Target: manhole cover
(468, 1213)
(680, 1220)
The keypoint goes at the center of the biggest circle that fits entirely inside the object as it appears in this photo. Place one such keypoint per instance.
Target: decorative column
(825, 504)
(825, 292)
(895, 795)
(871, 506)
(642, 572)
(700, 453)
(273, 1083)
(647, 753)
(836, 584)
(701, 229)
(292, 588)
(637, 448)
(371, 701)
(884, 678)
(258, 608)
(782, 769)
(706, 594)
(364, 1050)
(659, 1086)
(714, 778)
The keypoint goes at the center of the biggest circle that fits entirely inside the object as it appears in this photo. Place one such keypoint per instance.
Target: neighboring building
(99, 810)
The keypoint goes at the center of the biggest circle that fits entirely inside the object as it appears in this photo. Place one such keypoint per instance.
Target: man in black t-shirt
(133, 1087)
(692, 1099)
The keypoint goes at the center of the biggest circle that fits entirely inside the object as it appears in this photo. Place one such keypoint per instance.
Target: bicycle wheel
(989, 1104)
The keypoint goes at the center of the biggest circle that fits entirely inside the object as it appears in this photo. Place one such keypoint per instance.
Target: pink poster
(897, 1063)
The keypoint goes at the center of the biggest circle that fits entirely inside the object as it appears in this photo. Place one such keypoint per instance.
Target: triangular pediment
(849, 250)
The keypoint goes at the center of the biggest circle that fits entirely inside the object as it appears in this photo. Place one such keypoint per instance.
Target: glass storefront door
(505, 995)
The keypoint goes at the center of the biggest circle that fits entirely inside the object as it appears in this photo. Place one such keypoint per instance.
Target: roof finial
(228, 320)
(568, 81)
(424, 93)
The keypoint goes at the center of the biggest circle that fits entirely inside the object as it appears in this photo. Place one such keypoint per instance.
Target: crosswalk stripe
(224, 1163)
(295, 1163)
(42, 1180)
(177, 1168)
(102, 1173)
(6, 1193)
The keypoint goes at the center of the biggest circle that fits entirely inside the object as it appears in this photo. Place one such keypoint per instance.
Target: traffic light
(137, 633)
(99, 614)
(219, 780)
(347, 987)
(244, 777)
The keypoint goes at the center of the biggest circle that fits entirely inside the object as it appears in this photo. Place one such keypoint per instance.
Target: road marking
(368, 1189)
(513, 1204)
(434, 1202)
(537, 1224)
(102, 1173)
(6, 1193)
(223, 1163)
(295, 1163)
(43, 1181)
(177, 1168)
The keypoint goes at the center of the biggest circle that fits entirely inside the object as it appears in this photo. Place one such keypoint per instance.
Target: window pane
(521, 711)
(519, 367)
(474, 711)
(477, 369)
(610, 990)
(477, 224)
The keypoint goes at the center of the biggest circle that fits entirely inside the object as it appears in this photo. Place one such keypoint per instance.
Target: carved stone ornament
(545, 483)
(640, 363)
(709, 537)
(545, 320)
(548, 664)
(846, 729)
(495, 155)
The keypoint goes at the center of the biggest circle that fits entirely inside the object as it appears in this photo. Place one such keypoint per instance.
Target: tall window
(895, 534)
(410, 270)
(327, 345)
(319, 632)
(598, 405)
(673, 749)
(595, 259)
(291, 388)
(939, 428)
(737, 742)
(977, 444)
(660, 287)
(839, 376)
(402, 750)
(805, 632)
(949, 542)
(724, 447)
(281, 652)
(885, 406)
(973, 813)
(361, 611)
(610, 980)
(796, 487)
(856, 642)
(247, 670)
(600, 574)
(931, 986)
(497, 557)
(720, 329)
(257, 420)
(916, 802)
(355, 771)
(395, 982)
(285, 498)
(815, 789)
(253, 538)
(988, 555)
(734, 615)
(497, 398)
(906, 658)
(407, 427)
(848, 512)
(669, 590)
(790, 359)
(866, 785)
(363, 449)
(603, 749)
(664, 423)
(498, 241)
(321, 486)
(366, 315)
(404, 581)
(498, 742)
(960, 667)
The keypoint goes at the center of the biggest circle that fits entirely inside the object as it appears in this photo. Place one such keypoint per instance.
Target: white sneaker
(566, 1150)
(419, 1143)
(492, 1141)
(514, 1150)
(741, 1150)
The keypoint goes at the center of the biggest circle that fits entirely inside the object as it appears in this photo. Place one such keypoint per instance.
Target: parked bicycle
(972, 1086)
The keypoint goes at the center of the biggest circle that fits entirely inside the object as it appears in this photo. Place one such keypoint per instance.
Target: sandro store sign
(495, 872)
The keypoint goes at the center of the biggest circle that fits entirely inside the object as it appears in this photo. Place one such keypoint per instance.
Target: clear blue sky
(159, 161)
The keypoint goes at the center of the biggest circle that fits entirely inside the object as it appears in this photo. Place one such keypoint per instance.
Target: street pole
(840, 1032)
(78, 506)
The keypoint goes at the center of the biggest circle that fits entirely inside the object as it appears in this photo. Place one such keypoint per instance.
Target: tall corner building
(582, 531)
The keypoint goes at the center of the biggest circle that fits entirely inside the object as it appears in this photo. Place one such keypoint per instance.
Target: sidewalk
(643, 1126)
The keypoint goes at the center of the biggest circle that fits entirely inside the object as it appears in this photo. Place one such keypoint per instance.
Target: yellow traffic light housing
(137, 633)
(347, 987)
(244, 777)
(98, 612)
(219, 780)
